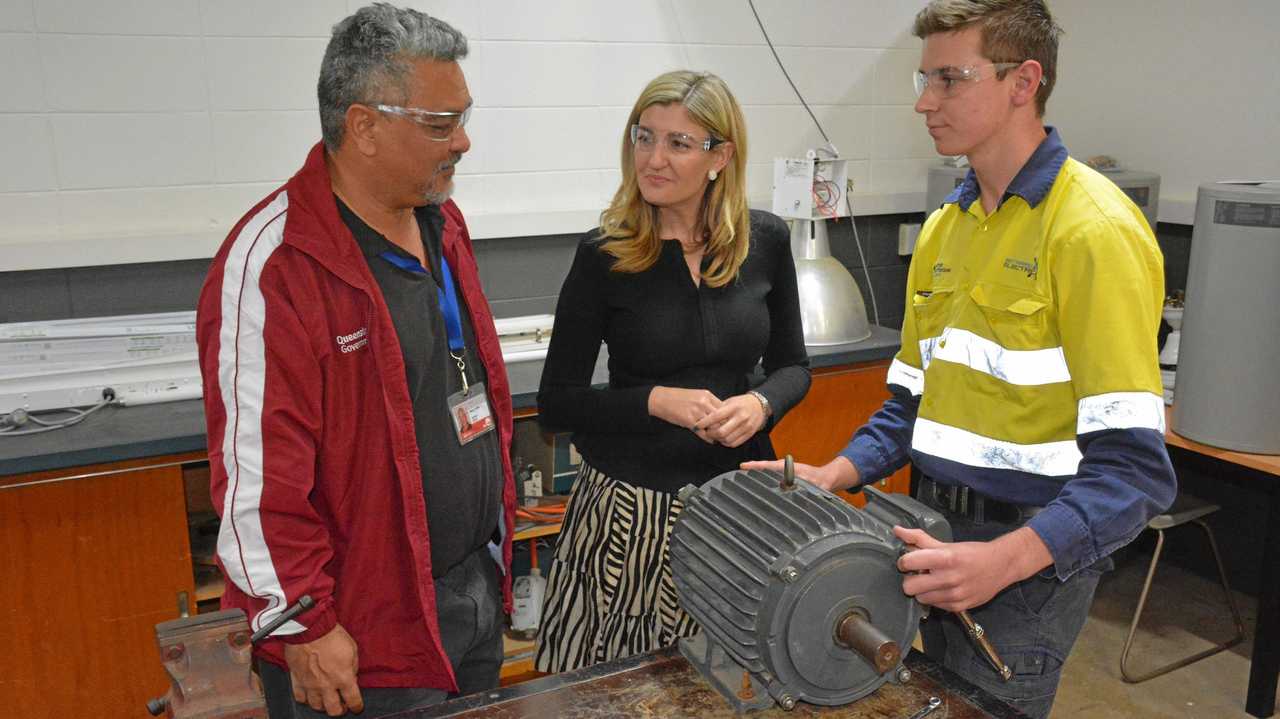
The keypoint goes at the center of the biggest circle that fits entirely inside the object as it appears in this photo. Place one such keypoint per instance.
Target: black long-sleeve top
(662, 330)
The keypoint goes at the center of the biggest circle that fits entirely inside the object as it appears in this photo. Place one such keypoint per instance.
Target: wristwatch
(764, 402)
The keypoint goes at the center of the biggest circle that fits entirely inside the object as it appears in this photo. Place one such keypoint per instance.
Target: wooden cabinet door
(87, 568)
(840, 400)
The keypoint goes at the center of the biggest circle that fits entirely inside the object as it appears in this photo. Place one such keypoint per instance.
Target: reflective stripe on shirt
(1021, 367)
(904, 375)
(1120, 410)
(1053, 459)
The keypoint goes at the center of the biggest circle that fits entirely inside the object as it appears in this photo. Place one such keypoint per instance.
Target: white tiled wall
(170, 117)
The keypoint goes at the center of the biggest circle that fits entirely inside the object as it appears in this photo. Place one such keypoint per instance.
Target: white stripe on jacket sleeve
(242, 546)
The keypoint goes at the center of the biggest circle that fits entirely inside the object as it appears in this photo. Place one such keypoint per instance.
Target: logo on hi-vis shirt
(939, 270)
(354, 341)
(1031, 269)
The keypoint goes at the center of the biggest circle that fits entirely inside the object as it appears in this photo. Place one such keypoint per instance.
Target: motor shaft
(856, 632)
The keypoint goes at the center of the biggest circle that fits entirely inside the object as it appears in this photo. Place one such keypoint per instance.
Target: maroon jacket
(315, 467)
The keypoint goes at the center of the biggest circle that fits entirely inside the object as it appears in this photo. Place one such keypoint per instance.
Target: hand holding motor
(837, 474)
(324, 673)
(961, 575)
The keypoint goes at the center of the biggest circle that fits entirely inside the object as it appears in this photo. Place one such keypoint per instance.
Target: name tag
(470, 412)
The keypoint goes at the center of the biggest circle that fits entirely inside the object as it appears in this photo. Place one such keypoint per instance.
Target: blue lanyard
(448, 305)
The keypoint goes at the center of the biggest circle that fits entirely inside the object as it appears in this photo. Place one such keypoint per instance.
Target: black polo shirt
(462, 483)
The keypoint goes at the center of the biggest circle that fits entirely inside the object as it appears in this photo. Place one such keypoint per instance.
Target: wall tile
(634, 21)
(21, 89)
(631, 67)
(137, 17)
(481, 128)
(608, 183)
(760, 184)
(284, 18)
(229, 203)
(27, 149)
(831, 76)
(469, 194)
(125, 150)
(533, 74)
(828, 23)
(900, 175)
(893, 77)
(750, 72)
(124, 74)
(534, 191)
(519, 20)
(464, 15)
(899, 133)
(16, 16)
(577, 20)
(145, 211)
(264, 73)
(894, 21)
(788, 131)
(262, 146)
(544, 139)
(28, 214)
(720, 22)
(838, 23)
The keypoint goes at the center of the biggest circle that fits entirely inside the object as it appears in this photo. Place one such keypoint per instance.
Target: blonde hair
(630, 224)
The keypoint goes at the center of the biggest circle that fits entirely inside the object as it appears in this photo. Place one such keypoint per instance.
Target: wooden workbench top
(663, 684)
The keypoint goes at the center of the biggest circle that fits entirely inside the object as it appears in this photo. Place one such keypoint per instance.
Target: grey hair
(369, 57)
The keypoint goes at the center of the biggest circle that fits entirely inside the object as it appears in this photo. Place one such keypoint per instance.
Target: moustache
(447, 164)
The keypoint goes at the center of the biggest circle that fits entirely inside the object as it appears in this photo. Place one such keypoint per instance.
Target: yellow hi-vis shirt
(1033, 325)
(1028, 367)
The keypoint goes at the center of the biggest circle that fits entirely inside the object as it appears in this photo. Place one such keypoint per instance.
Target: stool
(1185, 509)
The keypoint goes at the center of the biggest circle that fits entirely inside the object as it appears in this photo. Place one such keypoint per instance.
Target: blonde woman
(692, 292)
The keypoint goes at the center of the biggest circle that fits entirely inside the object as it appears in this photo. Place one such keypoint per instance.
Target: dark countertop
(115, 434)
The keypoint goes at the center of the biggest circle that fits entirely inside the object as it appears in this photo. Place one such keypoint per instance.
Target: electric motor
(797, 592)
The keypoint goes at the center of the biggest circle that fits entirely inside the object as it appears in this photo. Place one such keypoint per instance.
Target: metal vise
(208, 659)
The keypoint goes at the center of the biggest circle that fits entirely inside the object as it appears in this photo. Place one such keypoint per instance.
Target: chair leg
(1226, 588)
(1137, 614)
(1146, 587)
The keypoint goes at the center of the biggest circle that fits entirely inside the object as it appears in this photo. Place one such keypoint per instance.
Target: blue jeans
(469, 613)
(1032, 624)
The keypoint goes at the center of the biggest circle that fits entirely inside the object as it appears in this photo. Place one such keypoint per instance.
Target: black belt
(968, 503)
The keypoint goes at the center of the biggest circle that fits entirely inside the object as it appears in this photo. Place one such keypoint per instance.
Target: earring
(712, 175)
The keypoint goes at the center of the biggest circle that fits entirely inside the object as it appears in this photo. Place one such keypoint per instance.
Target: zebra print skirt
(609, 592)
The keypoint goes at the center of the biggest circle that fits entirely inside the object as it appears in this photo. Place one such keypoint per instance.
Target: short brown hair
(1012, 31)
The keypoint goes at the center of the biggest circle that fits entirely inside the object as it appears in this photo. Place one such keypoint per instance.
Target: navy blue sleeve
(1124, 479)
(883, 445)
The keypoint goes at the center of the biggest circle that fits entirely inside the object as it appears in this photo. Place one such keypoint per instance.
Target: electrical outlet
(907, 234)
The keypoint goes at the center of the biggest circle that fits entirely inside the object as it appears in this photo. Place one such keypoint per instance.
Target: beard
(441, 195)
(438, 197)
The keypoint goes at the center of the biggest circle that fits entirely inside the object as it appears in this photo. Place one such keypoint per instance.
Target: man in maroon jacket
(342, 330)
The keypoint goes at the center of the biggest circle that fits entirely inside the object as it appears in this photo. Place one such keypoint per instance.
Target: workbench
(1264, 470)
(94, 530)
(663, 684)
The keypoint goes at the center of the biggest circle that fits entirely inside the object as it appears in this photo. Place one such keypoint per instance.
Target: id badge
(470, 413)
